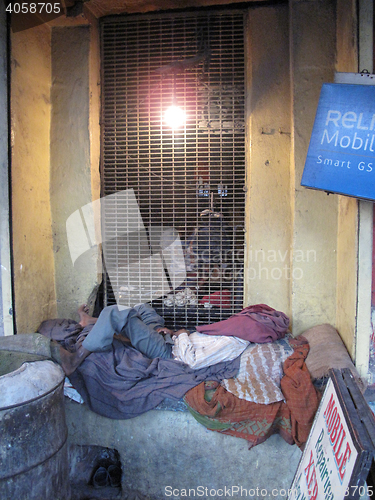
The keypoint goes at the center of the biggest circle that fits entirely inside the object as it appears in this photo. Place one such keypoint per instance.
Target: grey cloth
(64, 331)
(138, 324)
(123, 383)
(59, 329)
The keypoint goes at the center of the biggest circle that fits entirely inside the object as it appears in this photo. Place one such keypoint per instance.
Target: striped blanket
(261, 369)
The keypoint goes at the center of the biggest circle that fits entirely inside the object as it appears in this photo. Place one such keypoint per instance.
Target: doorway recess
(192, 178)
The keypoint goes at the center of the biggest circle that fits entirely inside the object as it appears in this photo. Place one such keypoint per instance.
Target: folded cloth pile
(257, 323)
(222, 411)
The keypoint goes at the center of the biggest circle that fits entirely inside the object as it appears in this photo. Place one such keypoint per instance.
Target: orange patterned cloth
(301, 397)
(219, 410)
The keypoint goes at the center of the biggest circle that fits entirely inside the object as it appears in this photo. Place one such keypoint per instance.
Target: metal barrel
(33, 448)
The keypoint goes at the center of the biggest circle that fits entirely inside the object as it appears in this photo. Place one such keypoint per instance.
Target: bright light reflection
(174, 117)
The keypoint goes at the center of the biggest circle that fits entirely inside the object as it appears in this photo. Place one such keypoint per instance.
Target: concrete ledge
(161, 449)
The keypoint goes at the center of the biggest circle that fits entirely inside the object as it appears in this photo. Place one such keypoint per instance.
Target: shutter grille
(185, 177)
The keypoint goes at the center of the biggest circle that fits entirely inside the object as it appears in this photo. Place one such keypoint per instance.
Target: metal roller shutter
(189, 180)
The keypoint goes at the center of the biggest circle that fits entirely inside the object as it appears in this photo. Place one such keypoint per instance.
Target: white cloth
(199, 350)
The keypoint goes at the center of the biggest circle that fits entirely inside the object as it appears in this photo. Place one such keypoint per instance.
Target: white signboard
(329, 457)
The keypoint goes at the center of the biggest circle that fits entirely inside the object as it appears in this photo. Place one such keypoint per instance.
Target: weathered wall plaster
(365, 213)
(347, 220)
(32, 239)
(314, 243)
(268, 205)
(94, 123)
(70, 162)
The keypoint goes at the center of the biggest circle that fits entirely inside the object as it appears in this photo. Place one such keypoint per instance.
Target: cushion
(327, 350)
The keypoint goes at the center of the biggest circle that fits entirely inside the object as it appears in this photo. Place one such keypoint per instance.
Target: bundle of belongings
(245, 376)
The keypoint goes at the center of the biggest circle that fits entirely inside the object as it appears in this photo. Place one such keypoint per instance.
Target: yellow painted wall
(347, 221)
(94, 130)
(70, 169)
(268, 205)
(39, 268)
(94, 111)
(31, 217)
(314, 225)
(291, 231)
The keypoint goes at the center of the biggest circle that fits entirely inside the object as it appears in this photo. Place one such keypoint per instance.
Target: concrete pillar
(31, 215)
(70, 163)
(268, 207)
(314, 239)
(347, 221)
(6, 315)
(363, 331)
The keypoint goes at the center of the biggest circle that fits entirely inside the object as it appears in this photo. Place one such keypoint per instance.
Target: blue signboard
(341, 154)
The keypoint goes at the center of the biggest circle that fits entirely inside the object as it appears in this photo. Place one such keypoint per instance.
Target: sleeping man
(128, 362)
(144, 329)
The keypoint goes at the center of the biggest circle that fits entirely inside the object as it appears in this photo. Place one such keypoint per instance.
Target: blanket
(222, 411)
(260, 373)
(258, 323)
(123, 383)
